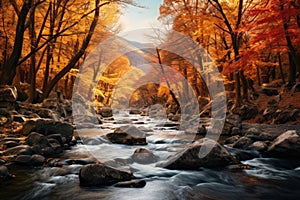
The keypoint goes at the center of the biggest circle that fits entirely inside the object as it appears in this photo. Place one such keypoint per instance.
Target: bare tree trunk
(79, 54)
(238, 96)
(245, 86)
(168, 84)
(9, 68)
(33, 43)
(280, 68)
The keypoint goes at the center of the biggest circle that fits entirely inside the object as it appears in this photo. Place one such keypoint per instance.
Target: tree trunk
(9, 68)
(238, 97)
(245, 86)
(280, 68)
(79, 54)
(33, 44)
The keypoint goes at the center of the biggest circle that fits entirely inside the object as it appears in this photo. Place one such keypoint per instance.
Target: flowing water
(269, 179)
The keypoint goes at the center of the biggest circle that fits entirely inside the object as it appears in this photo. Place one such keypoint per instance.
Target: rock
(4, 174)
(143, 156)
(105, 111)
(235, 131)
(57, 148)
(201, 130)
(282, 117)
(246, 111)
(294, 115)
(242, 143)
(232, 120)
(270, 91)
(23, 159)
(296, 88)
(36, 149)
(102, 175)
(44, 113)
(129, 135)
(9, 144)
(259, 146)
(242, 154)
(17, 150)
(131, 184)
(49, 127)
(270, 112)
(37, 139)
(231, 139)
(286, 145)
(57, 137)
(19, 118)
(48, 151)
(253, 132)
(189, 158)
(8, 93)
(238, 167)
(135, 111)
(37, 160)
(266, 136)
(2, 162)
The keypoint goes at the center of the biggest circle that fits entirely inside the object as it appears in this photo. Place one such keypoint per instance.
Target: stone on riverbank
(102, 175)
(286, 145)
(49, 127)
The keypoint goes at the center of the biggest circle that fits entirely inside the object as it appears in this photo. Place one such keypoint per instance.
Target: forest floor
(288, 99)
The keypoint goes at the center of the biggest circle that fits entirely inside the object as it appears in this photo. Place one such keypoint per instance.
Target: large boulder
(190, 158)
(49, 127)
(8, 94)
(129, 135)
(286, 145)
(102, 175)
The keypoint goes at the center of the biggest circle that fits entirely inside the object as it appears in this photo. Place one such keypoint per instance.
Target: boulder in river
(191, 158)
(49, 127)
(143, 156)
(3, 173)
(129, 135)
(104, 111)
(286, 145)
(102, 175)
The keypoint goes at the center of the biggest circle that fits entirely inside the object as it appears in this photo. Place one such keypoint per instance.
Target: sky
(134, 18)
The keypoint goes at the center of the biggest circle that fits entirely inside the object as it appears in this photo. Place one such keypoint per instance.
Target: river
(269, 179)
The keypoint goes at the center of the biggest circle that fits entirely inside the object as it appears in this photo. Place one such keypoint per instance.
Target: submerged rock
(286, 145)
(131, 184)
(129, 135)
(102, 175)
(4, 174)
(190, 158)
